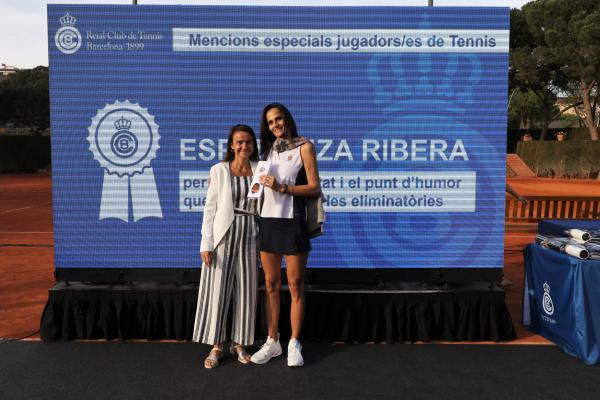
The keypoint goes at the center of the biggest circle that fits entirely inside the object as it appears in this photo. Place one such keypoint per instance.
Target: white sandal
(242, 355)
(212, 361)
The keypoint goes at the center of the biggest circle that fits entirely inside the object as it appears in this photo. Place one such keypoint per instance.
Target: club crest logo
(547, 303)
(124, 139)
(67, 38)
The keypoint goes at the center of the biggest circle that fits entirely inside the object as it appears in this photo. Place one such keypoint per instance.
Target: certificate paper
(256, 189)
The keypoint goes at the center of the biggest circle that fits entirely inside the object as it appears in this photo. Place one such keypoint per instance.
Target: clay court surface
(27, 253)
(555, 187)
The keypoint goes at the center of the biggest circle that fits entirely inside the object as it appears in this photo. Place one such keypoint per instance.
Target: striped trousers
(232, 278)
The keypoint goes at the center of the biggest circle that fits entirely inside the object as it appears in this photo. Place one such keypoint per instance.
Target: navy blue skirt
(283, 236)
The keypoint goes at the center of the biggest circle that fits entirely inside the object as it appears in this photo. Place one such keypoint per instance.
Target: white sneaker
(295, 354)
(270, 349)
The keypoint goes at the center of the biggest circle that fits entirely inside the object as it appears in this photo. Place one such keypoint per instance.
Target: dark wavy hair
(230, 155)
(266, 136)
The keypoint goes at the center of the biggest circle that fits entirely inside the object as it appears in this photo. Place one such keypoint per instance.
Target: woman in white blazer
(229, 253)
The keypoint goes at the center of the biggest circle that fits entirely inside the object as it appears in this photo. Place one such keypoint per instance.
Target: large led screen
(406, 108)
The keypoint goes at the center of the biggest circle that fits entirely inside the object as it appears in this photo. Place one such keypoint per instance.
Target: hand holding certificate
(256, 189)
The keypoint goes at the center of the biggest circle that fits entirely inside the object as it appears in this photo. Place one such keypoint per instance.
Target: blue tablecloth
(557, 227)
(561, 301)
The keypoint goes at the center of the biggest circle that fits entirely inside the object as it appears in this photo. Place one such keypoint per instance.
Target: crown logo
(122, 124)
(68, 20)
(546, 287)
(424, 81)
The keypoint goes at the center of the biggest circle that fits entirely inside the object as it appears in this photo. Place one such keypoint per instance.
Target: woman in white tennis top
(293, 176)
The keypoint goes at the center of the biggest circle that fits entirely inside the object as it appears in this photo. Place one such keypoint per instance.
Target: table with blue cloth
(561, 298)
(557, 227)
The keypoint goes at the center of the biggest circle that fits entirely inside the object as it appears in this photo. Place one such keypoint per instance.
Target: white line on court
(5, 232)
(25, 208)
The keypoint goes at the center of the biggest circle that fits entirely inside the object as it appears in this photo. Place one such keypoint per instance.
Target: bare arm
(313, 187)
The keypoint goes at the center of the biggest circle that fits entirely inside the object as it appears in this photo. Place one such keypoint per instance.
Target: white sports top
(284, 167)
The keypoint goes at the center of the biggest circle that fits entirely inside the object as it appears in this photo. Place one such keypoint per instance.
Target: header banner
(365, 41)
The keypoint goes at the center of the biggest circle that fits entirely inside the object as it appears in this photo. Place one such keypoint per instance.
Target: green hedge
(24, 153)
(567, 159)
(513, 136)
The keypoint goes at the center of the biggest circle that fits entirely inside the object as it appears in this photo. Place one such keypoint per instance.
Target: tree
(532, 72)
(568, 37)
(527, 110)
(24, 99)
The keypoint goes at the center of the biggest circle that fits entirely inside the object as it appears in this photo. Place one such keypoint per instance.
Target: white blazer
(218, 210)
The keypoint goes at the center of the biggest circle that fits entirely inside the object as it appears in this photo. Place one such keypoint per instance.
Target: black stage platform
(402, 312)
(158, 370)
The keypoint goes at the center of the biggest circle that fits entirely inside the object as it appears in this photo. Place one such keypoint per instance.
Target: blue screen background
(352, 96)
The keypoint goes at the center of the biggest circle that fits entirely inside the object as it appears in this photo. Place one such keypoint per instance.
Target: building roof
(7, 69)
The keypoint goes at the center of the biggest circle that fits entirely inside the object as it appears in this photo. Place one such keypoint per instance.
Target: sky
(23, 25)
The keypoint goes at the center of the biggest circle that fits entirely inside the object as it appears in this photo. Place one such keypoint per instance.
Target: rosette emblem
(124, 139)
